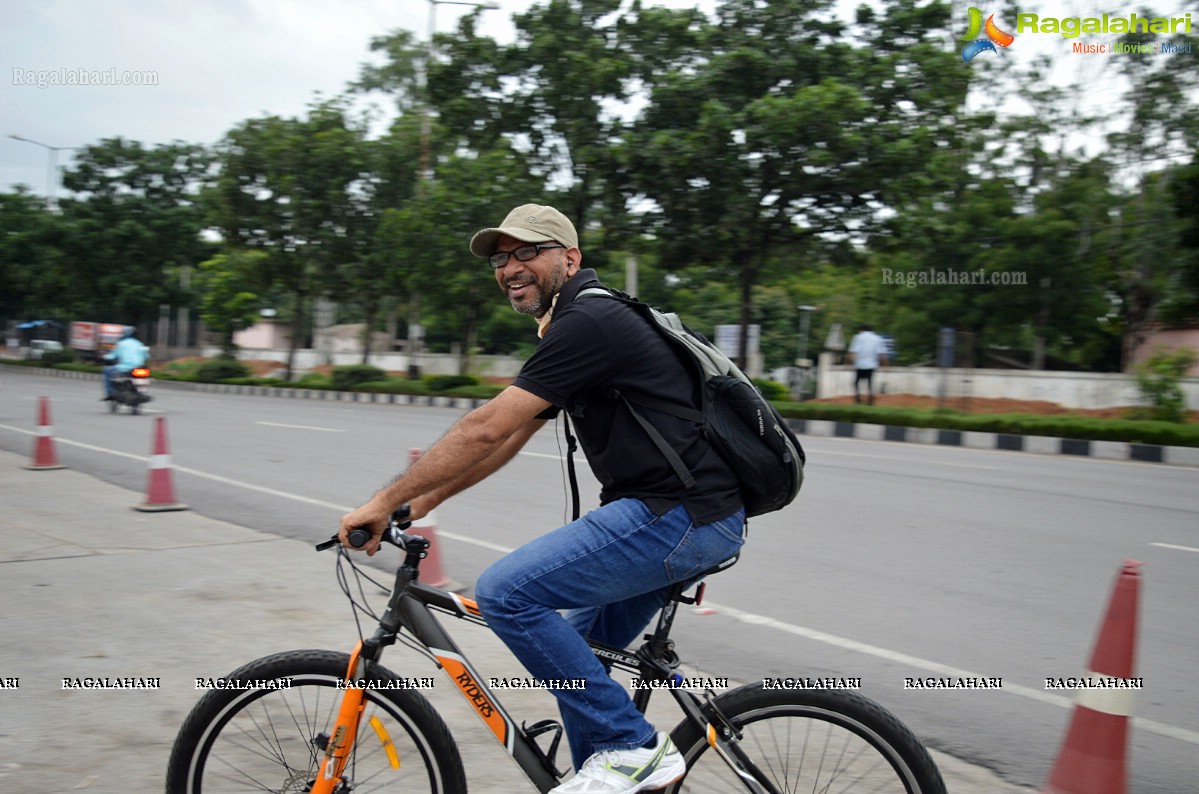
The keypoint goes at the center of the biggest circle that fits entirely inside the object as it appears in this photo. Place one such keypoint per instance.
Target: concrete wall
(1069, 389)
(264, 335)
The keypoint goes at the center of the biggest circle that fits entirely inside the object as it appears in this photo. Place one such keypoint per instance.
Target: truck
(92, 340)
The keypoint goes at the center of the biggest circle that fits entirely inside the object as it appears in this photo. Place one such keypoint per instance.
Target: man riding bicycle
(605, 575)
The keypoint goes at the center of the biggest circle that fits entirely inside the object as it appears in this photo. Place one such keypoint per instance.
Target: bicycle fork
(338, 746)
(657, 661)
(724, 738)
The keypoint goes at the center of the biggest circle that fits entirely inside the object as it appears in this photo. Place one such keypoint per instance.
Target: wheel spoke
(261, 740)
(814, 743)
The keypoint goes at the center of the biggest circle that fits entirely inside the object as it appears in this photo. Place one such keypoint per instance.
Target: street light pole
(801, 362)
(426, 121)
(51, 167)
(415, 331)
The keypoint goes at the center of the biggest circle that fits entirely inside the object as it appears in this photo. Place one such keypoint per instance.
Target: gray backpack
(740, 424)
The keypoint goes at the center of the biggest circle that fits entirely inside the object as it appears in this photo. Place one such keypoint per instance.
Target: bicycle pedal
(549, 756)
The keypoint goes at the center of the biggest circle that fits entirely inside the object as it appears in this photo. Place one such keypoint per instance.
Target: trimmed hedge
(445, 383)
(771, 389)
(440, 385)
(219, 370)
(350, 377)
(1061, 426)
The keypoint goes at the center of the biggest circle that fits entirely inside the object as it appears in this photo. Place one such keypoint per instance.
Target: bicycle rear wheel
(261, 738)
(810, 740)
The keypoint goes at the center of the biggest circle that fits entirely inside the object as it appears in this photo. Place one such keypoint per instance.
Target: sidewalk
(94, 588)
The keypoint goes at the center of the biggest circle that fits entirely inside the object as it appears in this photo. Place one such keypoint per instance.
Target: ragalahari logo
(978, 45)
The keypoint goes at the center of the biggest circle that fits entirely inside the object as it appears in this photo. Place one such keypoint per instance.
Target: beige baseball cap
(529, 223)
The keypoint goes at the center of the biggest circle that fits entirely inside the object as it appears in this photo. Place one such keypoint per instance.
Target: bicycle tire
(810, 740)
(260, 739)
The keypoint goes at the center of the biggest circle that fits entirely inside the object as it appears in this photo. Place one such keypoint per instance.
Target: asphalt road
(897, 561)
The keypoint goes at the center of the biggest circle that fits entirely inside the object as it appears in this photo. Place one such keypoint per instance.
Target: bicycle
(327, 722)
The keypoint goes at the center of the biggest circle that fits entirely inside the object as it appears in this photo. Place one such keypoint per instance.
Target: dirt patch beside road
(990, 405)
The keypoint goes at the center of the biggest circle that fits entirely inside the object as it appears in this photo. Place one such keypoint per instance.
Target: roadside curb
(291, 392)
(1010, 442)
(818, 428)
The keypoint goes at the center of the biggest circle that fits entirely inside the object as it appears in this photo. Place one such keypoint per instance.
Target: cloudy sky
(214, 63)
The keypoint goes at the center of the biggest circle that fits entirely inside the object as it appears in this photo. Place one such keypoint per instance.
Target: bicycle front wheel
(261, 738)
(810, 740)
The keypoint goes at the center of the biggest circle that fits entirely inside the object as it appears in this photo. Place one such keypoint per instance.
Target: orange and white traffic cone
(1093, 758)
(160, 488)
(431, 571)
(43, 445)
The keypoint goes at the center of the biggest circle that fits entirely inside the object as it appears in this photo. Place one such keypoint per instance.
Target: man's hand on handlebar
(370, 517)
(365, 520)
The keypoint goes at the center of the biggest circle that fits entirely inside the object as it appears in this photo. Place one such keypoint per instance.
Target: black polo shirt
(595, 344)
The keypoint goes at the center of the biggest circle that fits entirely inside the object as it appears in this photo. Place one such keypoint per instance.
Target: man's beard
(546, 290)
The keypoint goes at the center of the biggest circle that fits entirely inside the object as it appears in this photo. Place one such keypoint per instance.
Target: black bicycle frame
(411, 607)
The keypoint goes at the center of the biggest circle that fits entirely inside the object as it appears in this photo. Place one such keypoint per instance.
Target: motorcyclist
(126, 355)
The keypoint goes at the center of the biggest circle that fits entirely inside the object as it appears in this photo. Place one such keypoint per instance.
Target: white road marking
(893, 459)
(542, 455)
(1173, 731)
(302, 427)
(1172, 546)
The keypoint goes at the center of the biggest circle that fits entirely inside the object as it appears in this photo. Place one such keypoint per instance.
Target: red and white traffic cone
(43, 445)
(1093, 758)
(431, 571)
(160, 488)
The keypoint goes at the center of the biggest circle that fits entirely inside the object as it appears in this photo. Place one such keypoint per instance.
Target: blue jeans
(109, 371)
(611, 570)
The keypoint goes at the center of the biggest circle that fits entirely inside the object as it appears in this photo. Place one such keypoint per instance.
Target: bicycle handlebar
(393, 533)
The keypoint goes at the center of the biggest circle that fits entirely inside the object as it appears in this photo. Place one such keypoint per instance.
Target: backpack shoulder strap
(672, 457)
(665, 406)
(571, 445)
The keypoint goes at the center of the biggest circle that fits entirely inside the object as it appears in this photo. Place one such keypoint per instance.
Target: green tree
(551, 91)
(782, 135)
(1182, 300)
(299, 190)
(1158, 378)
(1162, 128)
(34, 277)
(133, 224)
(426, 240)
(228, 304)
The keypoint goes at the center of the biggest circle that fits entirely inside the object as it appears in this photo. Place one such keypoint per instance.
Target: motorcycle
(131, 389)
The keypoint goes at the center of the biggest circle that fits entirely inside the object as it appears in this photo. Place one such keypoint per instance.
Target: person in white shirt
(867, 352)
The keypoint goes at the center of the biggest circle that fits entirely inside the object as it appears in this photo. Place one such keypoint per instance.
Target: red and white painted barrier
(43, 445)
(1093, 758)
(160, 486)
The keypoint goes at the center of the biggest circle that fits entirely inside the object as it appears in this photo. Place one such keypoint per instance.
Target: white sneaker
(628, 771)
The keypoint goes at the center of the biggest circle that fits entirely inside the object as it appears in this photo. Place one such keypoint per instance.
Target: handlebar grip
(393, 534)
